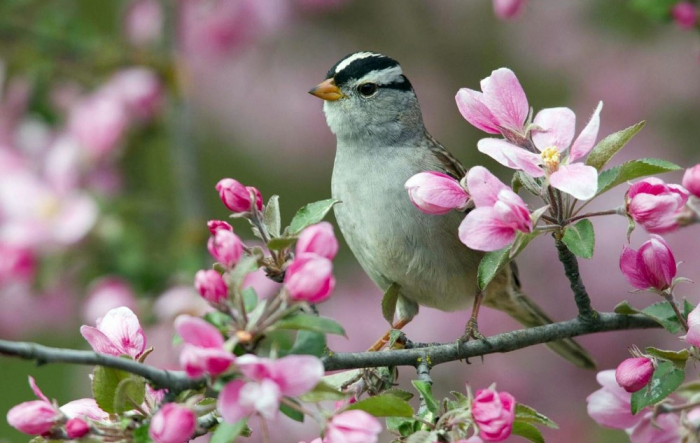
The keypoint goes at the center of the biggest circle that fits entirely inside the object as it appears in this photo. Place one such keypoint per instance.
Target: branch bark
(583, 301)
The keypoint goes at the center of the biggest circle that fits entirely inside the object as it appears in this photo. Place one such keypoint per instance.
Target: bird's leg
(472, 329)
(379, 344)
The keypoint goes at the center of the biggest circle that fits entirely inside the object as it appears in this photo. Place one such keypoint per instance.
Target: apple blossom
(507, 9)
(211, 286)
(35, 417)
(237, 197)
(226, 247)
(494, 414)
(84, 408)
(76, 428)
(16, 263)
(691, 180)
(98, 122)
(106, 294)
(664, 428)
(656, 205)
(652, 267)
(309, 278)
(173, 423)
(354, 426)
(610, 405)
(203, 351)
(143, 22)
(318, 239)
(215, 225)
(436, 193)
(139, 90)
(634, 373)
(117, 333)
(685, 14)
(692, 337)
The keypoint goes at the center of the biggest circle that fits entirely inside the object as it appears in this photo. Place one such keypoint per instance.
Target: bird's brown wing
(451, 165)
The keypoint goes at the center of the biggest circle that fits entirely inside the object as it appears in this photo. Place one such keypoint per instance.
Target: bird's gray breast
(393, 240)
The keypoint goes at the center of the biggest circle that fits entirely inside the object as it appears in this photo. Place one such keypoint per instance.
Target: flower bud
(34, 417)
(76, 428)
(435, 193)
(173, 423)
(656, 205)
(309, 278)
(634, 373)
(653, 267)
(691, 180)
(493, 413)
(211, 286)
(319, 239)
(507, 9)
(353, 426)
(225, 247)
(693, 335)
(236, 197)
(215, 225)
(685, 14)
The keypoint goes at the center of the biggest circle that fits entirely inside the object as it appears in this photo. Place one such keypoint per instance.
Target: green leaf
(611, 145)
(309, 343)
(277, 244)
(520, 179)
(383, 406)
(404, 426)
(310, 323)
(140, 435)
(663, 313)
(624, 308)
(250, 298)
(391, 296)
(245, 266)
(527, 431)
(228, 432)
(291, 412)
(342, 378)
(527, 414)
(665, 380)
(462, 401)
(311, 214)
(323, 391)
(493, 262)
(580, 238)
(400, 393)
(689, 390)
(423, 437)
(687, 307)
(271, 217)
(129, 394)
(426, 391)
(678, 358)
(218, 319)
(104, 386)
(655, 9)
(630, 170)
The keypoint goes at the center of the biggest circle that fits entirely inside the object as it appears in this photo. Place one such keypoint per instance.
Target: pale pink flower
(309, 278)
(656, 205)
(239, 399)
(494, 413)
(173, 423)
(215, 225)
(34, 417)
(634, 373)
(106, 294)
(353, 426)
(499, 215)
(139, 89)
(226, 247)
(318, 239)
(84, 408)
(691, 180)
(211, 286)
(264, 286)
(76, 428)
(552, 134)
(472, 439)
(436, 193)
(685, 14)
(693, 335)
(16, 263)
(610, 405)
(99, 123)
(237, 197)
(143, 22)
(179, 300)
(664, 428)
(651, 267)
(508, 9)
(117, 333)
(203, 351)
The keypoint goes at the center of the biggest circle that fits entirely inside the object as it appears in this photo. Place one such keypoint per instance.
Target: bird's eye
(367, 89)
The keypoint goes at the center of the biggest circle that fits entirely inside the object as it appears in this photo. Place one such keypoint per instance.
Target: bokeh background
(118, 118)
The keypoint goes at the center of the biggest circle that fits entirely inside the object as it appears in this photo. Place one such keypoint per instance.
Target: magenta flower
(211, 286)
(35, 417)
(309, 278)
(652, 267)
(203, 351)
(634, 373)
(436, 193)
(318, 239)
(508, 9)
(117, 333)
(552, 134)
(226, 247)
(237, 197)
(656, 205)
(494, 414)
(693, 335)
(685, 14)
(610, 405)
(76, 428)
(173, 423)
(353, 426)
(499, 215)
(691, 180)
(215, 225)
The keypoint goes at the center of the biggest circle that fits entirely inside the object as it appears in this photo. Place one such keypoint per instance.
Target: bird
(373, 110)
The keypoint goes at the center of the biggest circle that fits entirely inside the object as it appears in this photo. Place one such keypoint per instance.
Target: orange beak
(327, 90)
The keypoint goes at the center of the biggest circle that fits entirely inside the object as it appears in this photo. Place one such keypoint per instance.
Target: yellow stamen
(550, 158)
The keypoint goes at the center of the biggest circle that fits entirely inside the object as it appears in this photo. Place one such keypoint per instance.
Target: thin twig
(583, 301)
(590, 214)
(674, 306)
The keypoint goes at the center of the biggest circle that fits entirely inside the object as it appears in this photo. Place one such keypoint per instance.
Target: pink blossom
(237, 197)
(499, 215)
(693, 335)
(656, 205)
(143, 22)
(238, 400)
(264, 286)
(35, 417)
(493, 413)
(436, 193)
(117, 333)
(203, 352)
(552, 135)
(226, 247)
(84, 408)
(354, 426)
(610, 405)
(215, 225)
(76, 428)
(652, 267)
(309, 278)
(106, 294)
(691, 180)
(211, 286)
(634, 373)
(318, 239)
(508, 9)
(179, 300)
(98, 123)
(138, 89)
(472, 439)
(664, 428)
(173, 423)
(685, 14)
(16, 263)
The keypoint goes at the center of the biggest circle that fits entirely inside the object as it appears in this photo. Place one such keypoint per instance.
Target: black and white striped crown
(365, 66)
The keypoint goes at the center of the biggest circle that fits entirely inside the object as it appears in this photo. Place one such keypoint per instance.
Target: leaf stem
(674, 306)
(590, 214)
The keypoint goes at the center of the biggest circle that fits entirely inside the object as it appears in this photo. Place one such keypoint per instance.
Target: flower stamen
(551, 158)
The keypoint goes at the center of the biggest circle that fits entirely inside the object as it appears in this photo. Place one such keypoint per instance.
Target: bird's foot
(471, 331)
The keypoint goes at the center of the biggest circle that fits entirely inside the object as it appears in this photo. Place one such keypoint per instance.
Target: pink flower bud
(203, 352)
(656, 205)
(211, 286)
(215, 225)
(353, 426)
(225, 247)
(117, 333)
(691, 180)
(34, 417)
(652, 267)
(309, 278)
(236, 197)
(685, 14)
(507, 9)
(76, 428)
(173, 423)
(634, 373)
(493, 413)
(319, 239)
(435, 193)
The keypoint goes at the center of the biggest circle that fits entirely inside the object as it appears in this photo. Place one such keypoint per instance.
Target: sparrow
(372, 109)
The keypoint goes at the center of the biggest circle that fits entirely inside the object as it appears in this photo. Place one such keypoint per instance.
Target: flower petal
(297, 374)
(483, 230)
(576, 179)
(99, 342)
(511, 156)
(36, 390)
(586, 139)
(630, 270)
(472, 107)
(505, 98)
(484, 186)
(198, 332)
(228, 404)
(84, 408)
(558, 126)
(124, 330)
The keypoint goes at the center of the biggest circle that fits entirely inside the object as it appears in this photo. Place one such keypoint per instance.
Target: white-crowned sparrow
(372, 109)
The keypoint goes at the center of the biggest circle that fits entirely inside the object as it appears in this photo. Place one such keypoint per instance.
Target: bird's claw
(471, 331)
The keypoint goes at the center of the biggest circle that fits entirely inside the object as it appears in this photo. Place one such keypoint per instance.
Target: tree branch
(583, 301)
(174, 381)
(506, 342)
